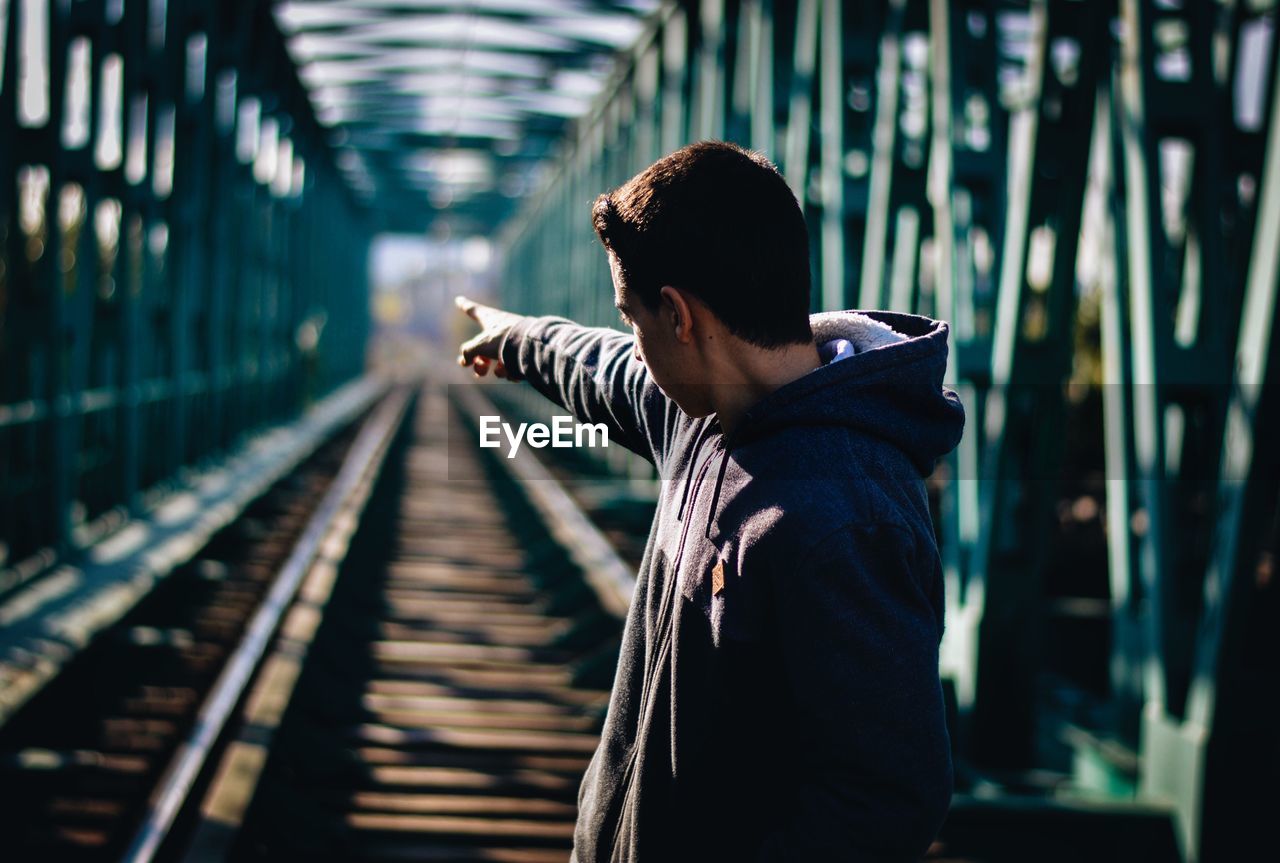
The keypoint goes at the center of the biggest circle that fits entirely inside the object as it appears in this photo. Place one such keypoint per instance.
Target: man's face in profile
(668, 360)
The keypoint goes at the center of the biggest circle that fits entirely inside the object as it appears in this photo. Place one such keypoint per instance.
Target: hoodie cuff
(509, 348)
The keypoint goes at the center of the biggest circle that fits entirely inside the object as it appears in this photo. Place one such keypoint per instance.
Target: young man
(777, 694)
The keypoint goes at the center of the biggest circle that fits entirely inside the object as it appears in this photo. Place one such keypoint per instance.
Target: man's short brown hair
(720, 222)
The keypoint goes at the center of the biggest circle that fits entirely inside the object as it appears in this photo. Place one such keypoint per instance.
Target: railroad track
(79, 762)
(438, 714)
(388, 657)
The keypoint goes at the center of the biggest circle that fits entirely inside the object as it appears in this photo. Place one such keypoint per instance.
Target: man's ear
(678, 308)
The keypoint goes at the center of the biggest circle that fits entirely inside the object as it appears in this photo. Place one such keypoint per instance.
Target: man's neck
(750, 374)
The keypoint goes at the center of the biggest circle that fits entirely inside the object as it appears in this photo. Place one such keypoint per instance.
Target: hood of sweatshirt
(889, 387)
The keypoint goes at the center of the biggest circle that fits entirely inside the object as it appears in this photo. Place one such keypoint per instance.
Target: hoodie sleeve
(593, 373)
(859, 621)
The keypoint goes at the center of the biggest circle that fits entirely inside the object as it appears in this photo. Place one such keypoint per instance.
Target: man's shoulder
(802, 484)
(836, 458)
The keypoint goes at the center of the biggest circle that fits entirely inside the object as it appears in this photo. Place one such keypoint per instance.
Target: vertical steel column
(850, 37)
(898, 217)
(804, 61)
(965, 183)
(129, 41)
(708, 91)
(91, 359)
(45, 141)
(831, 162)
(173, 209)
(751, 62)
(675, 61)
(1030, 362)
(194, 170)
(648, 119)
(883, 144)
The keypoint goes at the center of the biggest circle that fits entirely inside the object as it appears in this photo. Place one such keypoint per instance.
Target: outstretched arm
(592, 372)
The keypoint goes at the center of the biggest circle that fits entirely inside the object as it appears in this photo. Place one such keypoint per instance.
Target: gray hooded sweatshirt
(777, 694)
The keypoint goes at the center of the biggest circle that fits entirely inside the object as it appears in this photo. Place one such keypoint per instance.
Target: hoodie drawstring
(715, 495)
(693, 464)
(688, 478)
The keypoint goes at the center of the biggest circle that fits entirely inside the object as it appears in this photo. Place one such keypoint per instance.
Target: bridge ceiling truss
(445, 110)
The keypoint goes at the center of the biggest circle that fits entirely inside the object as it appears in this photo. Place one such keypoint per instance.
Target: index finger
(467, 306)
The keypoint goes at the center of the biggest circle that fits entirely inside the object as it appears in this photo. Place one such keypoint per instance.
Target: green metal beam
(152, 305)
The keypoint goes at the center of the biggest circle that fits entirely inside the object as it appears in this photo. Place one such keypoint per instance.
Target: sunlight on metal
(446, 109)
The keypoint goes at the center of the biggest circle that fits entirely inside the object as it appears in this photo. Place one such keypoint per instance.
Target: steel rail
(366, 455)
(608, 575)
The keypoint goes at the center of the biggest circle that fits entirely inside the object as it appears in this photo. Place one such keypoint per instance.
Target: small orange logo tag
(717, 578)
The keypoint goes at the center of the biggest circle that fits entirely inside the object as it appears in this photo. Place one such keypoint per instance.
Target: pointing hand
(481, 351)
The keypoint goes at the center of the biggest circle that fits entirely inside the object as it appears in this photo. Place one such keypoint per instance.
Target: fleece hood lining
(865, 332)
(904, 355)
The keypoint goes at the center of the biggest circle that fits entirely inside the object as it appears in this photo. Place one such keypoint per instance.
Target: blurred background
(233, 225)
